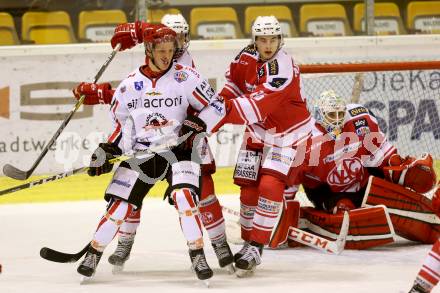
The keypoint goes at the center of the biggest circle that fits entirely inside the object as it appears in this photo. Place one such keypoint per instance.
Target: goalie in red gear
(348, 147)
(129, 35)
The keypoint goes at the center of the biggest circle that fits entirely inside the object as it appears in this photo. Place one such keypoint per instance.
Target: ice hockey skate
(224, 256)
(88, 266)
(241, 252)
(249, 260)
(200, 265)
(121, 254)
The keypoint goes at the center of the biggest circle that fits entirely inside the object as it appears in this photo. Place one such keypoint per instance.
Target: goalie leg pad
(116, 214)
(185, 202)
(369, 227)
(289, 218)
(412, 214)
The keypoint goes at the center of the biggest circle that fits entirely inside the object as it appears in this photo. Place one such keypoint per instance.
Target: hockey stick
(309, 239)
(62, 257)
(320, 243)
(56, 177)
(18, 174)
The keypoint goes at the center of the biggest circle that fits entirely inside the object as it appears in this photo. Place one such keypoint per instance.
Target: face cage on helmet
(182, 50)
(332, 126)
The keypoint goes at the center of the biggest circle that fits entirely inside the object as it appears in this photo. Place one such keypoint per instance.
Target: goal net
(404, 96)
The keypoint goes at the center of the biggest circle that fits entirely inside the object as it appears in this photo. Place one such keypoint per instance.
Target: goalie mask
(330, 112)
(178, 24)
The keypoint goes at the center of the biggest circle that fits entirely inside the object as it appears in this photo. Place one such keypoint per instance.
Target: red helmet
(158, 33)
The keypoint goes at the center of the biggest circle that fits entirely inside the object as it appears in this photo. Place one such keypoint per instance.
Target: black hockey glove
(191, 127)
(99, 163)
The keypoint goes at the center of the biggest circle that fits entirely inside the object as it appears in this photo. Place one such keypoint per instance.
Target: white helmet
(330, 112)
(266, 26)
(178, 24)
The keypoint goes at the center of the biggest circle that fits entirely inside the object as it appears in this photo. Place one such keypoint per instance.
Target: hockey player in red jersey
(149, 109)
(263, 92)
(429, 274)
(129, 35)
(348, 147)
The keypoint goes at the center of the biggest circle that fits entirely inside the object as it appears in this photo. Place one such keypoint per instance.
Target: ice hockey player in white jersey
(130, 34)
(149, 109)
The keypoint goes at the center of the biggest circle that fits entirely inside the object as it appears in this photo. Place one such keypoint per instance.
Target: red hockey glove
(191, 127)
(99, 163)
(128, 34)
(95, 93)
(416, 174)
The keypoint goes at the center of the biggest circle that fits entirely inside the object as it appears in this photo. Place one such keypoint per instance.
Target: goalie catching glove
(99, 163)
(95, 93)
(415, 173)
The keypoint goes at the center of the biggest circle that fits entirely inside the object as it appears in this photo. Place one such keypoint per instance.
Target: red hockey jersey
(266, 96)
(343, 163)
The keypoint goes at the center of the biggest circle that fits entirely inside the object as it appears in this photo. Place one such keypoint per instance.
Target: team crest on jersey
(358, 111)
(138, 85)
(155, 121)
(180, 76)
(273, 67)
(278, 82)
(348, 171)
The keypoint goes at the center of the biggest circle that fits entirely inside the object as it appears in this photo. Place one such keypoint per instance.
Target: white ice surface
(160, 261)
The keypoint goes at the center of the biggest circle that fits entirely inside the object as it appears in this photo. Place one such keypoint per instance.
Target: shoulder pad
(273, 67)
(356, 111)
(250, 49)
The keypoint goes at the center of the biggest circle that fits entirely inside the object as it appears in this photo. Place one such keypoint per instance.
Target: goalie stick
(312, 240)
(14, 172)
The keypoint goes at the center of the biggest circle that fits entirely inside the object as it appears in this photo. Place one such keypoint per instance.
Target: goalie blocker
(412, 214)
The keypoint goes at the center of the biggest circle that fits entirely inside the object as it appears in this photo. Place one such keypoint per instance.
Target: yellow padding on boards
(84, 187)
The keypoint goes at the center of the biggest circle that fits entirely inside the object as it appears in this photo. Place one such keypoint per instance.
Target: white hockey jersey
(149, 112)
